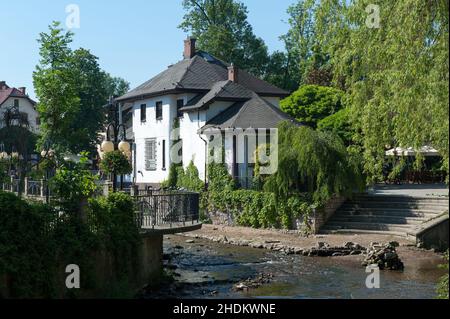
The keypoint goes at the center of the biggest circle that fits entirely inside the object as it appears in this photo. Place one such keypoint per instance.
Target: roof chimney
(23, 90)
(189, 48)
(233, 73)
(3, 85)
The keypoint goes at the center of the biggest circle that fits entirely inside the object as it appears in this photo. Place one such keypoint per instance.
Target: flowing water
(205, 269)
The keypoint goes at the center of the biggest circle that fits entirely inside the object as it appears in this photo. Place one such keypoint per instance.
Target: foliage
(338, 123)
(116, 86)
(73, 182)
(222, 29)
(112, 218)
(312, 103)
(171, 181)
(72, 90)
(218, 178)
(396, 75)
(115, 162)
(442, 288)
(189, 179)
(313, 161)
(37, 242)
(257, 209)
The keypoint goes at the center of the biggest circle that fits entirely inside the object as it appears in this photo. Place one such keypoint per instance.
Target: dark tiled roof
(13, 92)
(199, 73)
(254, 113)
(221, 91)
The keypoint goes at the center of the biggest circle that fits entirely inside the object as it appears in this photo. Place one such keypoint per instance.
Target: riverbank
(292, 242)
(203, 268)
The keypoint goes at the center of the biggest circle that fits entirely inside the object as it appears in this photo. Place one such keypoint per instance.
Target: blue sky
(134, 39)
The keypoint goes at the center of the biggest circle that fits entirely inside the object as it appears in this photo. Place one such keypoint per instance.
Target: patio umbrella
(424, 150)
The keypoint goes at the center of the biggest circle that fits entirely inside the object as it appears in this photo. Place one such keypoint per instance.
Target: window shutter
(150, 154)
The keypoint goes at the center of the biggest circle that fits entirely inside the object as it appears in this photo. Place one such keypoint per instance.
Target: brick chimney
(3, 85)
(189, 48)
(233, 73)
(23, 90)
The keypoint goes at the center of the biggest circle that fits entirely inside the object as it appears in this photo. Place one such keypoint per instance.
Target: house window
(38, 121)
(143, 112)
(164, 154)
(150, 154)
(159, 111)
(16, 102)
(180, 104)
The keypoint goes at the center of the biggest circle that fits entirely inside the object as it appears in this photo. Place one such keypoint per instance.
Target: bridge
(156, 211)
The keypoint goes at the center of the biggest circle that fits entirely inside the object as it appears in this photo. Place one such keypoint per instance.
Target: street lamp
(49, 154)
(119, 138)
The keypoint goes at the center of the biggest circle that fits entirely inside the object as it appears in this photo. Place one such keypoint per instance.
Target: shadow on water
(204, 269)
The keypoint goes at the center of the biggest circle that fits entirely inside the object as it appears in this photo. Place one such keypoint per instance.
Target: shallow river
(205, 269)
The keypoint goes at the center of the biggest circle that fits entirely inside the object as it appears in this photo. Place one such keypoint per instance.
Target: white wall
(25, 106)
(152, 128)
(192, 144)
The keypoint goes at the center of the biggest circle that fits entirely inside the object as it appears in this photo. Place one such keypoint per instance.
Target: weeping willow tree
(394, 61)
(315, 162)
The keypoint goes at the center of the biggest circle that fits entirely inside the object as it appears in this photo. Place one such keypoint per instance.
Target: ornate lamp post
(49, 154)
(119, 139)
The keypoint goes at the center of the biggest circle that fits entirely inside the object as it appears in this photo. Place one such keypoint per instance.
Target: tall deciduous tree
(72, 90)
(222, 29)
(396, 72)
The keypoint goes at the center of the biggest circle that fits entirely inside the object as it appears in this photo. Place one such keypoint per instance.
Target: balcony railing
(170, 209)
(154, 208)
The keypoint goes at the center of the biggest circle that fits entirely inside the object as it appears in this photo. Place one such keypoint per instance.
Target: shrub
(37, 241)
(257, 209)
(338, 123)
(218, 178)
(312, 103)
(115, 162)
(189, 179)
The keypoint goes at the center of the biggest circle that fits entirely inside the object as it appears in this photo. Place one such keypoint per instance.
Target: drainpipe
(206, 155)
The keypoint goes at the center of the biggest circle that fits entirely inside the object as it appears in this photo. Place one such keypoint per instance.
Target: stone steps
(380, 219)
(384, 214)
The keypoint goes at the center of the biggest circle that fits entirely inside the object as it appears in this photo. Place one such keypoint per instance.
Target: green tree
(338, 123)
(116, 86)
(53, 80)
(315, 162)
(222, 29)
(72, 90)
(312, 103)
(396, 75)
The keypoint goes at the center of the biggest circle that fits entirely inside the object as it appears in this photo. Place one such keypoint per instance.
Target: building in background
(197, 93)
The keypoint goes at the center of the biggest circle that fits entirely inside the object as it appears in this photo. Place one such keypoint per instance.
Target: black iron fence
(166, 209)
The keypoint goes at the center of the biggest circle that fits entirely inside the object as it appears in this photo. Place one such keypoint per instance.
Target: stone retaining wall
(321, 215)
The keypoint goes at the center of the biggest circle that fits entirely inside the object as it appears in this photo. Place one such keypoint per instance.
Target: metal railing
(166, 209)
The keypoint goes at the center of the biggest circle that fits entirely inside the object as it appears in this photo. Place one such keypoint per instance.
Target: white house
(201, 93)
(17, 98)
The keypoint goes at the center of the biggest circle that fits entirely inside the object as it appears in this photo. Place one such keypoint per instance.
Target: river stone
(190, 241)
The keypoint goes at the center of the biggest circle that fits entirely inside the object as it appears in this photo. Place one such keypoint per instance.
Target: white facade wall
(25, 106)
(193, 144)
